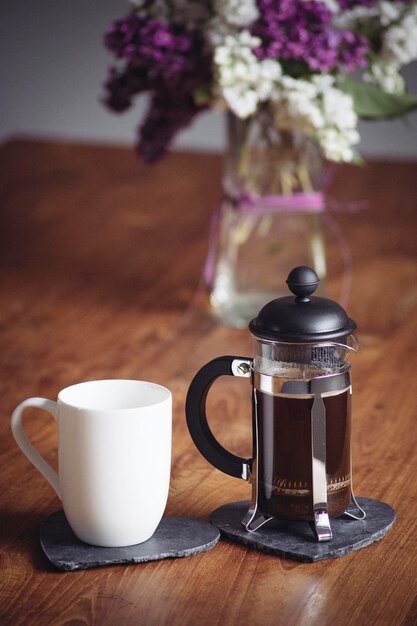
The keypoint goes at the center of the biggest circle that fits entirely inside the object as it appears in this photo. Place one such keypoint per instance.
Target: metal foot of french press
(254, 518)
(322, 527)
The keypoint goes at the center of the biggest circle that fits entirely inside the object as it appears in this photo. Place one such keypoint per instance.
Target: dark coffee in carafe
(284, 455)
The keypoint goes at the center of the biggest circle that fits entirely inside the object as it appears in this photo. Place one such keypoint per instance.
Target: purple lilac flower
(349, 4)
(166, 115)
(122, 85)
(353, 50)
(170, 54)
(166, 59)
(295, 30)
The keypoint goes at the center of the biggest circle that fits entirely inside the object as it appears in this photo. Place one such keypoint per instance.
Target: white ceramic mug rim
(165, 395)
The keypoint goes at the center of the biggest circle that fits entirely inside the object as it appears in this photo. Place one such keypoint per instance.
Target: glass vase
(269, 220)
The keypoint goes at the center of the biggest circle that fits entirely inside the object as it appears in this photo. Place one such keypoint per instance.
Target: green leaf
(372, 103)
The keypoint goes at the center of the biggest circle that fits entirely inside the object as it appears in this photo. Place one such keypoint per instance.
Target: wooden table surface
(101, 258)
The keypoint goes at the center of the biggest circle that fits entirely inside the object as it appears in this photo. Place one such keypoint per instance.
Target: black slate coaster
(174, 537)
(296, 540)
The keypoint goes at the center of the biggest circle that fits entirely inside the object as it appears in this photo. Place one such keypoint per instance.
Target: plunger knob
(302, 281)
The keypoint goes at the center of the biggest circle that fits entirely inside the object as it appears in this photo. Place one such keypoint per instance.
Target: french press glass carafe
(301, 464)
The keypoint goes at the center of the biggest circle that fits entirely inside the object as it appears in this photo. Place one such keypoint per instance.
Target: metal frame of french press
(316, 388)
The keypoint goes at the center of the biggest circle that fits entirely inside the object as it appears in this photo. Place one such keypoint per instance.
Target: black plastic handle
(195, 410)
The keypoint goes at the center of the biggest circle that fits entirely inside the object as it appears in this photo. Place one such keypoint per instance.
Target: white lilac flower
(390, 12)
(240, 13)
(337, 108)
(217, 31)
(386, 76)
(317, 108)
(399, 46)
(295, 105)
(230, 17)
(337, 145)
(339, 132)
(242, 80)
(399, 43)
(346, 20)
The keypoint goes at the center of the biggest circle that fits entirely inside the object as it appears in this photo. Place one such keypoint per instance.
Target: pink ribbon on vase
(312, 202)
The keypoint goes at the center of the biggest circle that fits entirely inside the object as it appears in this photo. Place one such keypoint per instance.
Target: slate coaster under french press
(174, 537)
(296, 540)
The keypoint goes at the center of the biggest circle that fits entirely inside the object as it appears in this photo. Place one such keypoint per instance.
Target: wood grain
(100, 262)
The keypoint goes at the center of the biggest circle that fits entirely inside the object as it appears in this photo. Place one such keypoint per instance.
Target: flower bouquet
(295, 57)
(294, 77)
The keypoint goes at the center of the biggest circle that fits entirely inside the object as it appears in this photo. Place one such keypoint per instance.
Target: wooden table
(100, 260)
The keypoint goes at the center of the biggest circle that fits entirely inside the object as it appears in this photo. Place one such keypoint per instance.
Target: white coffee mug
(114, 457)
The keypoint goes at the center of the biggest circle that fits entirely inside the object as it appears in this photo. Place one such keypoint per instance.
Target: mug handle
(24, 443)
(195, 410)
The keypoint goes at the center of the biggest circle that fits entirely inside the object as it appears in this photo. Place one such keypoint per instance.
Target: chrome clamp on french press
(301, 399)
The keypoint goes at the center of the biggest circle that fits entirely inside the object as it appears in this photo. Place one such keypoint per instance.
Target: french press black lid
(302, 317)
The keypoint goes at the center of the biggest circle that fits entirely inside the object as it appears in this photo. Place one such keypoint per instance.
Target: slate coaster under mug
(174, 537)
(296, 540)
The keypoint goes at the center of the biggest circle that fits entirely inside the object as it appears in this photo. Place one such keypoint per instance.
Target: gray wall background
(53, 63)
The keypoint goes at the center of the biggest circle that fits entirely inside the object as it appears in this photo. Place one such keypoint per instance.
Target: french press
(301, 406)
